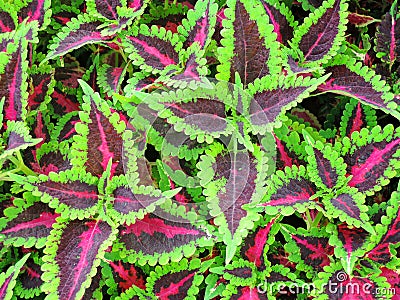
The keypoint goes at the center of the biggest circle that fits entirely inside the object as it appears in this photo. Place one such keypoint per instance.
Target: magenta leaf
(358, 282)
(351, 79)
(393, 279)
(199, 27)
(176, 281)
(350, 243)
(246, 292)
(281, 19)
(40, 88)
(388, 36)
(368, 163)
(72, 260)
(63, 103)
(126, 275)
(8, 279)
(52, 161)
(29, 281)
(100, 137)
(255, 244)
(110, 78)
(36, 10)
(7, 23)
(311, 251)
(321, 34)
(13, 83)
(355, 117)
(287, 191)
(31, 226)
(249, 45)
(153, 236)
(77, 33)
(153, 50)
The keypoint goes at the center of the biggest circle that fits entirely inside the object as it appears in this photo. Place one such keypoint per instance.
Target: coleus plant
(218, 149)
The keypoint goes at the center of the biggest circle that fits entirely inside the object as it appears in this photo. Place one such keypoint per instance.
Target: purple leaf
(351, 238)
(75, 194)
(63, 103)
(388, 36)
(51, 162)
(347, 204)
(153, 235)
(6, 22)
(35, 11)
(39, 89)
(250, 53)
(30, 278)
(77, 250)
(368, 163)
(326, 172)
(35, 221)
(127, 275)
(254, 244)
(293, 192)
(153, 51)
(381, 252)
(282, 27)
(12, 85)
(314, 251)
(108, 8)
(357, 292)
(77, 33)
(267, 105)
(348, 82)
(125, 201)
(321, 36)
(201, 29)
(238, 190)
(174, 286)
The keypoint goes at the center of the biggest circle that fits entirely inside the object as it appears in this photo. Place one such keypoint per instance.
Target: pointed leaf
(8, 279)
(178, 280)
(388, 36)
(355, 117)
(326, 168)
(13, 83)
(321, 34)
(71, 192)
(29, 227)
(282, 20)
(73, 252)
(234, 179)
(38, 10)
(77, 33)
(153, 49)
(154, 237)
(250, 47)
(199, 25)
(373, 158)
(352, 79)
(275, 94)
(99, 138)
(288, 191)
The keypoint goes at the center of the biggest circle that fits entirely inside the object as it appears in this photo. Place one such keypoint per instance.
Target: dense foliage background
(239, 149)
